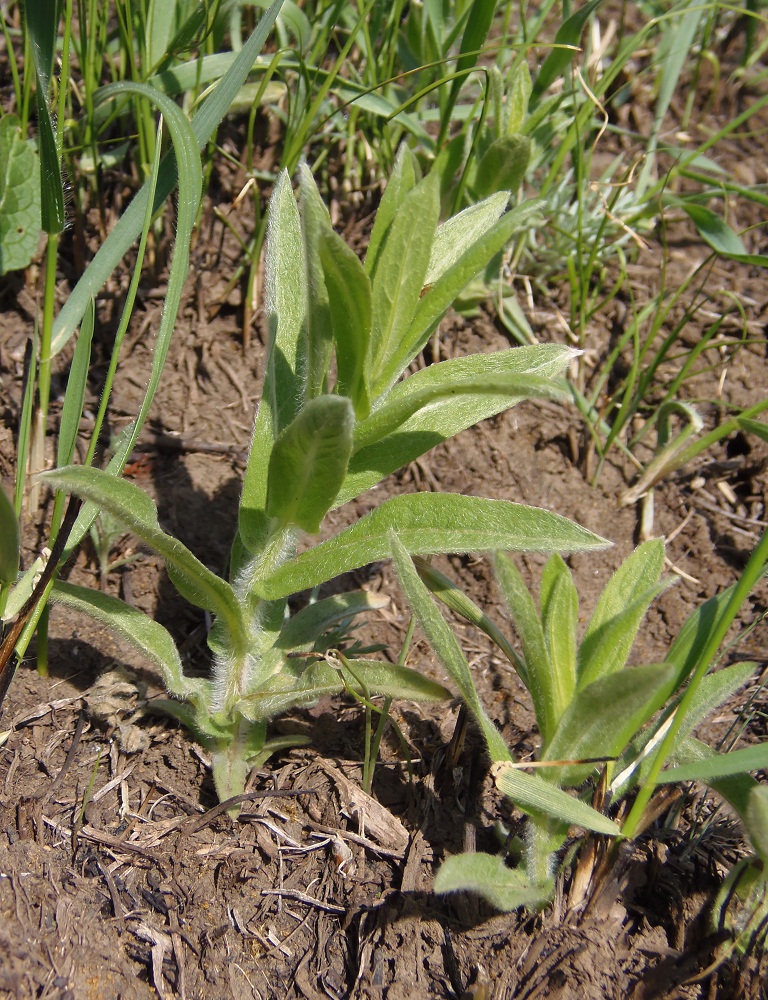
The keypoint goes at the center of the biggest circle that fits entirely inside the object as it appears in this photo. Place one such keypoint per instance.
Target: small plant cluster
(336, 416)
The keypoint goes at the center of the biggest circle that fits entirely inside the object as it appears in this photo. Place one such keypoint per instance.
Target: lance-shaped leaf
(456, 235)
(399, 184)
(503, 165)
(9, 541)
(428, 523)
(319, 329)
(298, 685)
(603, 717)
(349, 296)
(444, 399)
(565, 48)
(145, 635)
(539, 676)
(19, 197)
(533, 794)
(756, 820)
(133, 508)
(559, 615)
(303, 630)
(619, 612)
(286, 356)
(489, 877)
(719, 765)
(309, 461)
(401, 270)
(446, 646)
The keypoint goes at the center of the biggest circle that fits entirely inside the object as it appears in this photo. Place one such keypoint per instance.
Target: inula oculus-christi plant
(595, 714)
(335, 418)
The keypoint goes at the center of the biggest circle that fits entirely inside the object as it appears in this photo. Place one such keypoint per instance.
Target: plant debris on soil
(121, 876)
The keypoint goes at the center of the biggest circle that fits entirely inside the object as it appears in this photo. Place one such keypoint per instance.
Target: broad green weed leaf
(532, 794)
(19, 197)
(283, 384)
(144, 634)
(299, 684)
(445, 645)
(714, 231)
(9, 541)
(489, 877)
(399, 184)
(314, 221)
(307, 626)
(756, 820)
(603, 717)
(435, 302)
(539, 678)
(349, 293)
(400, 271)
(309, 461)
(518, 96)
(448, 412)
(559, 615)
(619, 612)
(454, 383)
(719, 765)
(503, 165)
(457, 234)
(133, 508)
(566, 45)
(428, 523)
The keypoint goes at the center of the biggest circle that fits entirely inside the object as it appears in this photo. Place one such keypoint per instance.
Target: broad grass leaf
(428, 523)
(9, 541)
(489, 877)
(77, 384)
(19, 197)
(619, 612)
(309, 461)
(349, 295)
(445, 645)
(604, 716)
(127, 228)
(532, 794)
(719, 765)
(566, 46)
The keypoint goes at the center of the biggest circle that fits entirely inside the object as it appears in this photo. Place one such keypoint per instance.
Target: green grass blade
(721, 765)
(129, 225)
(9, 542)
(532, 794)
(77, 383)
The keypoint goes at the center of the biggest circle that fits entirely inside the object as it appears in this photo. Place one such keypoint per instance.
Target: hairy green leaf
(489, 877)
(309, 461)
(533, 794)
(503, 165)
(19, 197)
(428, 523)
